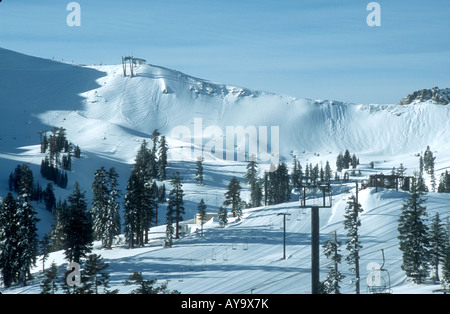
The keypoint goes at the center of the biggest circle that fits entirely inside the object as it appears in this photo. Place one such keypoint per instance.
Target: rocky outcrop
(435, 95)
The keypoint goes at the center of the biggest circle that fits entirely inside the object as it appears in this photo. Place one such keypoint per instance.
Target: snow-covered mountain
(108, 115)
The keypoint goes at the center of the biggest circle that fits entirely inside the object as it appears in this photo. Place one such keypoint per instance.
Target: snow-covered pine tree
(254, 182)
(233, 197)
(438, 243)
(140, 203)
(331, 249)
(57, 233)
(99, 204)
(328, 172)
(114, 227)
(414, 241)
(162, 161)
(446, 262)
(353, 245)
(95, 275)
(28, 241)
(9, 229)
(199, 171)
(202, 214)
(49, 197)
(44, 249)
(223, 216)
(176, 201)
(146, 286)
(49, 285)
(105, 207)
(168, 241)
(78, 227)
(252, 170)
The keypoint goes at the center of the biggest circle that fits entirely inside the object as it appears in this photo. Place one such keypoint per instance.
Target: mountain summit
(435, 95)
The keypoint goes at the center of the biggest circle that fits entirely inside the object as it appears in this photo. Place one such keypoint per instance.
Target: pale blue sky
(319, 49)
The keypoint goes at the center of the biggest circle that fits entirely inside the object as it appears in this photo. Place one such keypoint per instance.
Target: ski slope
(109, 115)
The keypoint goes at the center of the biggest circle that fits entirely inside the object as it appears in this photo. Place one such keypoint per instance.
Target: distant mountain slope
(98, 105)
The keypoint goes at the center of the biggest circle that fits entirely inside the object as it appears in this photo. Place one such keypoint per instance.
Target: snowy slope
(109, 115)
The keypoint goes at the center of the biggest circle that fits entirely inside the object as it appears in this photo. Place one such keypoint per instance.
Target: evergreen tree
(202, 213)
(9, 229)
(223, 216)
(444, 184)
(57, 233)
(252, 170)
(105, 208)
(446, 260)
(199, 172)
(162, 161)
(334, 277)
(233, 197)
(256, 194)
(140, 202)
(49, 285)
(28, 242)
(438, 242)
(176, 201)
(413, 236)
(340, 162)
(347, 159)
(78, 227)
(353, 245)
(96, 276)
(168, 241)
(49, 197)
(328, 172)
(44, 249)
(296, 174)
(252, 180)
(146, 286)
(153, 152)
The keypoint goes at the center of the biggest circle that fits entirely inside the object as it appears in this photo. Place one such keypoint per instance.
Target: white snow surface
(109, 115)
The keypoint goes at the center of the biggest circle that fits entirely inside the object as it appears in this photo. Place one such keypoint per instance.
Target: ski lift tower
(315, 197)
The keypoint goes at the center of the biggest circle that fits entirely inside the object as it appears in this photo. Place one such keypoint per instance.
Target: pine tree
(176, 201)
(413, 236)
(347, 159)
(168, 241)
(340, 162)
(49, 197)
(438, 241)
(223, 216)
(44, 249)
(140, 202)
(256, 194)
(28, 242)
(146, 286)
(334, 277)
(105, 208)
(49, 285)
(446, 260)
(95, 274)
(162, 161)
(57, 233)
(9, 229)
(78, 227)
(233, 197)
(199, 172)
(202, 213)
(252, 170)
(328, 172)
(353, 245)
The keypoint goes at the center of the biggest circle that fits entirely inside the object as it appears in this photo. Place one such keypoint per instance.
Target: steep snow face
(108, 114)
